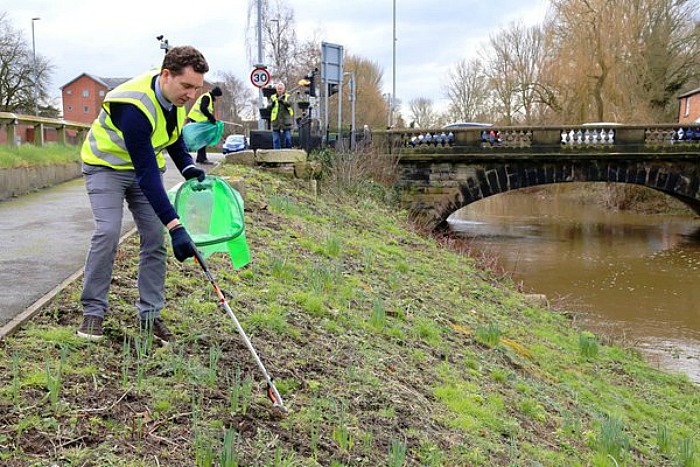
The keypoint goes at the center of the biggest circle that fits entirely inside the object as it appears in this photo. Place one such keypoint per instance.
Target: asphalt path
(44, 238)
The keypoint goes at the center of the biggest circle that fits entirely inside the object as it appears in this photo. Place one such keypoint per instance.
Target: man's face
(181, 88)
(280, 89)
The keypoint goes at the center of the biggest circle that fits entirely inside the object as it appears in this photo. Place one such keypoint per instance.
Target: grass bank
(28, 155)
(388, 349)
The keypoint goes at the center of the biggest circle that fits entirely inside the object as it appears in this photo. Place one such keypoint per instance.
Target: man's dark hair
(179, 58)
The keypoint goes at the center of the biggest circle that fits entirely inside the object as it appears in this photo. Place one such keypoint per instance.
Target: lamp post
(393, 74)
(36, 72)
(276, 48)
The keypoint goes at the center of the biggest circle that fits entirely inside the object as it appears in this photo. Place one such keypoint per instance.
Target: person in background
(202, 111)
(281, 118)
(123, 161)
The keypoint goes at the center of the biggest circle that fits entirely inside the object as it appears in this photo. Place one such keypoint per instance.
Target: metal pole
(393, 88)
(352, 102)
(276, 49)
(324, 99)
(339, 137)
(261, 102)
(36, 71)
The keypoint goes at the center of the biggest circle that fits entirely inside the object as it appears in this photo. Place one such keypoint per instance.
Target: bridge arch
(433, 191)
(440, 173)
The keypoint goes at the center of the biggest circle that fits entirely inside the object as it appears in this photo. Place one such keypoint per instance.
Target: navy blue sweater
(137, 130)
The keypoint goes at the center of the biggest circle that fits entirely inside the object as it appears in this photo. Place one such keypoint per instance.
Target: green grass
(28, 155)
(387, 348)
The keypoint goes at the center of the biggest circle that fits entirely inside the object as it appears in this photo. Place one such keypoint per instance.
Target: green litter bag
(212, 213)
(200, 134)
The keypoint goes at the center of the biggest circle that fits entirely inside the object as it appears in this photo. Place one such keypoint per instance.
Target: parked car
(234, 143)
(452, 126)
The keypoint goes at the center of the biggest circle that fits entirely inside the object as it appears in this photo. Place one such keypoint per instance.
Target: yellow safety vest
(276, 106)
(196, 114)
(105, 145)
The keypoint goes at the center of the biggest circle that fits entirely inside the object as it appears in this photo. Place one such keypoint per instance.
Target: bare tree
(623, 59)
(17, 73)
(422, 113)
(238, 101)
(669, 44)
(516, 57)
(467, 91)
(371, 108)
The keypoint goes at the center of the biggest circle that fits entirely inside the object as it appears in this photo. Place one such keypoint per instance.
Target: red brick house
(83, 96)
(689, 108)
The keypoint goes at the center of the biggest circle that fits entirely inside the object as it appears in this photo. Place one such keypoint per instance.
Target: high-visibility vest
(105, 145)
(196, 114)
(276, 106)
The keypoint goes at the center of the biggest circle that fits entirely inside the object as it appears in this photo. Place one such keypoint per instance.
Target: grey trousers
(107, 190)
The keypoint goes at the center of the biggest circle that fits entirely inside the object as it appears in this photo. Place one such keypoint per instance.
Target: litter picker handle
(272, 392)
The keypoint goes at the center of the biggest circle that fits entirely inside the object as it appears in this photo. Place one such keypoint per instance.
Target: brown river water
(635, 277)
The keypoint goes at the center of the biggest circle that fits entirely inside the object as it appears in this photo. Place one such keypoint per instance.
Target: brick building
(83, 96)
(689, 108)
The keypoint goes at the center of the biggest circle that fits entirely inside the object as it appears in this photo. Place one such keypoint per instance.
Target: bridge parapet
(604, 137)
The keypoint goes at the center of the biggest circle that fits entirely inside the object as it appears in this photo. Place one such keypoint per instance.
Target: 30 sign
(260, 77)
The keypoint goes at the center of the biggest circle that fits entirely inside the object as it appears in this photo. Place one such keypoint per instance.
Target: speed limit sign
(260, 77)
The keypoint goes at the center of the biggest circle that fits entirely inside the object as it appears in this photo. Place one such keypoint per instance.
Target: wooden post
(61, 135)
(11, 134)
(39, 134)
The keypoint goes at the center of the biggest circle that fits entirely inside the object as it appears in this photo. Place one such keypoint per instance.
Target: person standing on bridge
(281, 117)
(202, 111)
(123, 161)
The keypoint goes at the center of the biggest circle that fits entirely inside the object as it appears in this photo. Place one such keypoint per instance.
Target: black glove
(183, 246)
(194, 172)
(212, 121)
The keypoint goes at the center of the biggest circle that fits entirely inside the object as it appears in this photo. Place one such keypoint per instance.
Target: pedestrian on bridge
(123, 161)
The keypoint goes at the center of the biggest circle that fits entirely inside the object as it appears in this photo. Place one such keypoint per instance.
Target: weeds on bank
(29, 155)
(385, 362)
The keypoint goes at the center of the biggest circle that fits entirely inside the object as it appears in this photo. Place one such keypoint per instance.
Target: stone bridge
(442, 171)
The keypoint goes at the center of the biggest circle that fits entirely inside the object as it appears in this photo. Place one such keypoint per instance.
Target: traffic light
(332, 89)
(308, 82)
(312, 84)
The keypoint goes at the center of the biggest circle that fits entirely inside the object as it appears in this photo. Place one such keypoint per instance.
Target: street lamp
(36, 72)
(393, 74)
(276, 47)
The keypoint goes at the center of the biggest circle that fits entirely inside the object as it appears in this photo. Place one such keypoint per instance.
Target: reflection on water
(629, 273)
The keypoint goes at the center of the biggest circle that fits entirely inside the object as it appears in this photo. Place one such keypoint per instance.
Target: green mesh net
(200, 134)
(212, 213)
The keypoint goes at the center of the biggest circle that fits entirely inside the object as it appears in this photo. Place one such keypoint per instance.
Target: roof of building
(109, 83)
(689, 93)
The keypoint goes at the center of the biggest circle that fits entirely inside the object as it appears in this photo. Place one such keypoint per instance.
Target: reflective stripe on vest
(276, 107)
(105, 145)
(196, 112)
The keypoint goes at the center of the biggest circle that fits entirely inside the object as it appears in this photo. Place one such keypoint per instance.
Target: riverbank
(387, 348)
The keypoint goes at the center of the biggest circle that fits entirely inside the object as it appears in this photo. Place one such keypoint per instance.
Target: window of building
(102, 93)
(86, 109)
(86, 93)
(70, 108)
(69, 91)
(687, 106)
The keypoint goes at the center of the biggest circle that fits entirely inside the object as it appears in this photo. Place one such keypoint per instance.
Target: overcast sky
(118, 39)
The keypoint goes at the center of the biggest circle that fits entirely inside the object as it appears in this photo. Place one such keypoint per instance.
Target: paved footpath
(44, 238)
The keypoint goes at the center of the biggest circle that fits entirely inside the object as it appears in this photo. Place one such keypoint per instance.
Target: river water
(635, 277)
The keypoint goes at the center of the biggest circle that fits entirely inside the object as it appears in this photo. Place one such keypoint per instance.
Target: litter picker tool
(272, 392)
